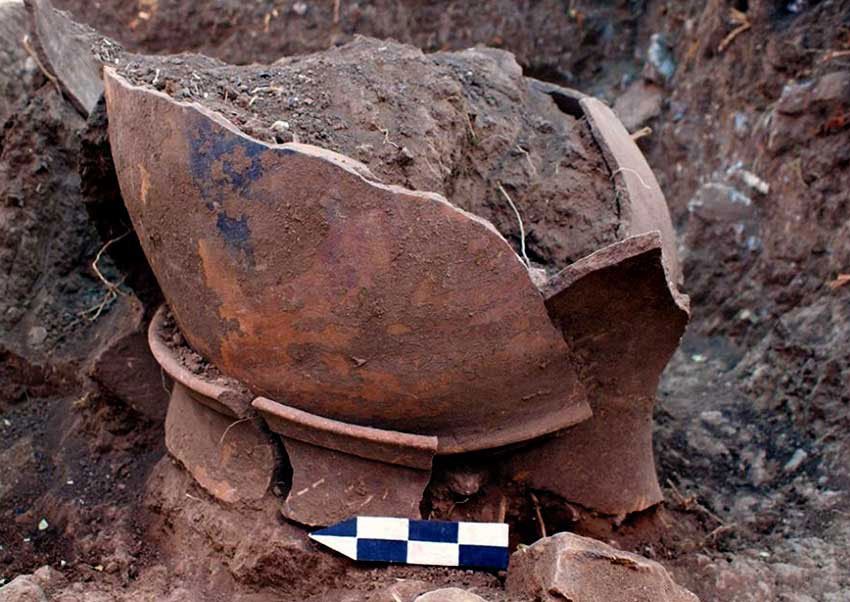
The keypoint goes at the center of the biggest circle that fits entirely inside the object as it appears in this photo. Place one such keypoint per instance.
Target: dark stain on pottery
(219, 160)
(235, 232)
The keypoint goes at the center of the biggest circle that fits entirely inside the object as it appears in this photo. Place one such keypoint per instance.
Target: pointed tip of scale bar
(347, 546)
(341, 537)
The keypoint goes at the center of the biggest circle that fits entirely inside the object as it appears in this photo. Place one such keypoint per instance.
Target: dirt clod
(466, 125)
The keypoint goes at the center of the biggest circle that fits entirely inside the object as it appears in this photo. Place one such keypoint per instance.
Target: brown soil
(16, 75)
(459, 124)
(584, 44)
(187, 356)
(761, 377)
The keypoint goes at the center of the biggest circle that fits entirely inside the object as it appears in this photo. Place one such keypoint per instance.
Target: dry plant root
(538, 514)
(743, 24)
(642, 133)
(835, 54)
(34, 55)
(521, 227)
(840, 280)
(112, 288)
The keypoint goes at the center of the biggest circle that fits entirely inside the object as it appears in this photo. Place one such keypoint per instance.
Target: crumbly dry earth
(753, 413)
(462, 124)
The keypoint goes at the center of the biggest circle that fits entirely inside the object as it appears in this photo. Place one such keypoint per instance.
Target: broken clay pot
(341, 470)
(624, 350)
(338, 469)
(310, 283)
(373, 345)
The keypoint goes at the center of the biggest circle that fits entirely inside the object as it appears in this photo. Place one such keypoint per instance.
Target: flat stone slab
(65, 48)
(570, 567)
(15, 75)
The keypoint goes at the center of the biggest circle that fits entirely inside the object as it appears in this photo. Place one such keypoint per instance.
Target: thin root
(634, 171)
(743, 25)
(691, 503)
(528, 158)
(721, 529)
(840, 280)
(471, 129)
(31, 51)
(110, 286)
(835, 54)
(230, 426)
(642, 133)
(97, 309)
(503, 509)
(521, 227)
(539, 514)
(112, 289)
(387, 140)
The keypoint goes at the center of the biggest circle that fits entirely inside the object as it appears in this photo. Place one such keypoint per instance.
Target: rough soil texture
(459, 124)
(16, 68)
(752, 419)
(577, 42)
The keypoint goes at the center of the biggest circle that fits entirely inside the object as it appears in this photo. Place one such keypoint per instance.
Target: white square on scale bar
(374, 527)
(433, 553)
(483, 534)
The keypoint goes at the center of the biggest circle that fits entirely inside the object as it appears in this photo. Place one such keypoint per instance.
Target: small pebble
(796, 461)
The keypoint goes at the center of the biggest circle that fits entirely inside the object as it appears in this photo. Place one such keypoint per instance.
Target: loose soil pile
(466, 125)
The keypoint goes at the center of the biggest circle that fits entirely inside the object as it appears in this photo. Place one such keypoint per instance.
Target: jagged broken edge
(60, 45)
(112, 77)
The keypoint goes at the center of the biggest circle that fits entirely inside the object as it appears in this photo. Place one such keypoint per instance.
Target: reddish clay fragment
(392, 447)
(644, 203)
(224, 395)
(340, 470)
(329, 486)
(621, 314)
(228, 457)
(352, 300)
(207, 429)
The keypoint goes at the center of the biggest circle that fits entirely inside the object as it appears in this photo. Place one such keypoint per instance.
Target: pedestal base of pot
(329, 486)
(207, 427)
(342, 470)
(227, 456)
(605, 464)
